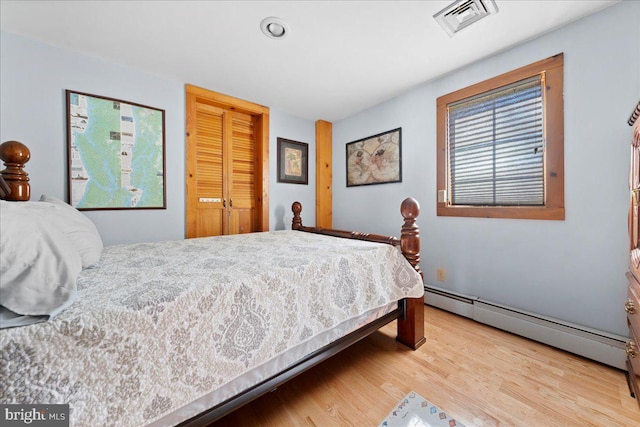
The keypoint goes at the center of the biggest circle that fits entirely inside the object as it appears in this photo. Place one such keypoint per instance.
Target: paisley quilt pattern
(155, 326)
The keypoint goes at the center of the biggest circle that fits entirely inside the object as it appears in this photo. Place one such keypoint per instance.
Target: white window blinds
(496, 146)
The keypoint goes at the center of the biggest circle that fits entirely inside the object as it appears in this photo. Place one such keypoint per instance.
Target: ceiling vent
(462, 13)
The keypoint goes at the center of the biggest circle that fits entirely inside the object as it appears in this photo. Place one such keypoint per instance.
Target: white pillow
(38, 264)
(79, 229)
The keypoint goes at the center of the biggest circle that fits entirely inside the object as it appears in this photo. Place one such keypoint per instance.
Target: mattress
(161, 331)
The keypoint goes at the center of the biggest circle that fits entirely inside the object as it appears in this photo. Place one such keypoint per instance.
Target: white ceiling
(339, 57)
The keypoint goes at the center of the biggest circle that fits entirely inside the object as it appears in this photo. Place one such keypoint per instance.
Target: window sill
(523, 212)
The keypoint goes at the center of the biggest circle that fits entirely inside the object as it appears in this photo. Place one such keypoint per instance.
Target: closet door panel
(242, 176)
(205, 160)
(209, 222)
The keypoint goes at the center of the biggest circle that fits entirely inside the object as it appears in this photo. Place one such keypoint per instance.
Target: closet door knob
(629, 307)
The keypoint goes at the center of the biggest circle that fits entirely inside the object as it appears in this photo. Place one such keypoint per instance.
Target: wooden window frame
(553, 106)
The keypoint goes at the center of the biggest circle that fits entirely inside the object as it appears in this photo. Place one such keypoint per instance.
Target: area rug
(416, 411)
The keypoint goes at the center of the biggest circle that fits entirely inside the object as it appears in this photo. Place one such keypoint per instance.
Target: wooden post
(15, 154)
(411, 325)
(410, 234)
(296, 222)
(324, 178)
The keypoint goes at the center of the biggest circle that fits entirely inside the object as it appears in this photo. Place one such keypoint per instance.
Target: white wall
(571, 270)
(282, 195)
(33, 79)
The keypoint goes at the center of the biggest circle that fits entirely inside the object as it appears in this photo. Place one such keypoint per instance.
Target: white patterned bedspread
(158, 325)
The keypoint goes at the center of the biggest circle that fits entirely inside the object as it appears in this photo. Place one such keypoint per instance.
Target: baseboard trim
(600, 346)
(449, 301)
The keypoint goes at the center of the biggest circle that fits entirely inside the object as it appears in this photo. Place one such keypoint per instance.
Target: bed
(183, 332)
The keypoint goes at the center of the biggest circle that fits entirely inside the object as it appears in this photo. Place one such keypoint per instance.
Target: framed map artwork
(292, 161)
(116, 154)
(376, 159)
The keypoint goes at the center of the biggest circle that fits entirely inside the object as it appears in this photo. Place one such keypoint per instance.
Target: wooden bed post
(411, 325)
(15, 154)
(296, 223)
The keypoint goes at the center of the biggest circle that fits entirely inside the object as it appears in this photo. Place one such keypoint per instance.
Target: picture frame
(115, 153)
(376, 159)
(293, 162)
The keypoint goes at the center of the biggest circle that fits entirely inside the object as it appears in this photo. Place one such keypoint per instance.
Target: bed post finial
(15, 154)
(296, 223)
(410, 237)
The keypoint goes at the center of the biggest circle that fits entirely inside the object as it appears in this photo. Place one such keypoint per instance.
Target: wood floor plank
(477, 374)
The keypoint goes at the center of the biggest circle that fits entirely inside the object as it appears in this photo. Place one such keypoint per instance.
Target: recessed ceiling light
(274, 28)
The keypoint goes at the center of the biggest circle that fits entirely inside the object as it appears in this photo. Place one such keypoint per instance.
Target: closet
(226, 164)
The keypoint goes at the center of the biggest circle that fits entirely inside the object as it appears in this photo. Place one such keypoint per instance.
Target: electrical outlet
(441, 274)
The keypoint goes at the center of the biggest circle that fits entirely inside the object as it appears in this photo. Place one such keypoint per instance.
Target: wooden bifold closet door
(227, 173)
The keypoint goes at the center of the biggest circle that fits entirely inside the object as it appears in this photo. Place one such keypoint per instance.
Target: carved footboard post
(296, 223)
(15, 154)
(411, 325)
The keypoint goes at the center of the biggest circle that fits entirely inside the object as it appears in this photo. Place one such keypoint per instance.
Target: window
(501, 146)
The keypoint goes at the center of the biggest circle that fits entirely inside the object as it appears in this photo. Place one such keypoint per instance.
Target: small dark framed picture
(376, 159)
(292, 161)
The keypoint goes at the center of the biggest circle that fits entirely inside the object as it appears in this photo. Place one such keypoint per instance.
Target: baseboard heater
(590, 343)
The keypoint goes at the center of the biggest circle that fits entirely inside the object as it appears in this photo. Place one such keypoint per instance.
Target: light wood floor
(477, 374)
